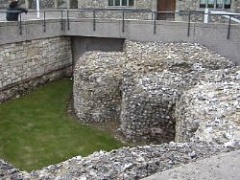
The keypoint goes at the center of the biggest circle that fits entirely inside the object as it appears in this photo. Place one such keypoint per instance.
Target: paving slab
(220, 167)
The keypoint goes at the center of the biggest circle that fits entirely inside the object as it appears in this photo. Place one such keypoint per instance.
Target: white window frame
(114, 4)
(201, 4)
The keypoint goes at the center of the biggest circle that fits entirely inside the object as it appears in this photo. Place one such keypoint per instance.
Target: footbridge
(117, 24)
(44, 45)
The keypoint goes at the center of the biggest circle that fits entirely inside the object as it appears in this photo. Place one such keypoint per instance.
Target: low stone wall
(27, 64)
(125, 163)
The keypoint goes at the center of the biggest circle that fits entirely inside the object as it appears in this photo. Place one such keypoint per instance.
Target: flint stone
(97, 80)
(140, 86)
(210, 111)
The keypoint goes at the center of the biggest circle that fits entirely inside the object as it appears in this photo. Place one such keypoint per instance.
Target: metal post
(189, 23)
(62, 20)
(68, 22)
(123, 21)
(44, 21)
(229, 27)
(20, 24)
(94, 20)
(154, 23)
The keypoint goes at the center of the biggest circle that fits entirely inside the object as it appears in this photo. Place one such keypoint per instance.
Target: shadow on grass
(35, 130)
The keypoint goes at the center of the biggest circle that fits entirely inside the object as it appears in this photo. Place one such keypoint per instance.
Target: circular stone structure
(96, 89)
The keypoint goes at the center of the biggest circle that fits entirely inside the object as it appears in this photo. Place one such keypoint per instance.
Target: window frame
(121, 2)
(215, 4)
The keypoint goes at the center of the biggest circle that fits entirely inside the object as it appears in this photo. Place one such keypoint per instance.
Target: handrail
(67, 16)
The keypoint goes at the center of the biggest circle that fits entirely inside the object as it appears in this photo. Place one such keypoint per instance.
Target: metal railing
(66, 16)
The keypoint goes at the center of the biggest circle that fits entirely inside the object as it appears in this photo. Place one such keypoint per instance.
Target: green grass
(35, 130)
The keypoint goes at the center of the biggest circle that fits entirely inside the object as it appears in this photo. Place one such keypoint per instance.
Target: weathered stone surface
(41, 60)
(142, 84)
(124, 163)
(97, 80)
(147, 105)
(130, 163)
(210, 111)
(7, 172)
(183, 7)
(165, 82)
(155, 76)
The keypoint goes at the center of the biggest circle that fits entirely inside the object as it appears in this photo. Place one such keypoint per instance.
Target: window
(125, 3)
(219, 4)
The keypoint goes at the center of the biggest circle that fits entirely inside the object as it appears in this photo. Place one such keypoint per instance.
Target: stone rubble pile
(8, 172)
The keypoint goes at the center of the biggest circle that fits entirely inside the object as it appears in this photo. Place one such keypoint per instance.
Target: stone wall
(182, 9)
(97, 80)
(147, 80)
(210, 110)
(24, 65)
(125, 163)
(138, 4)
(153, 82)
(3, 4)
(103, 4)
(181, 5)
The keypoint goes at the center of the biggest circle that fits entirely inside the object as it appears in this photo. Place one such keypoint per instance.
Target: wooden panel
(166, 5)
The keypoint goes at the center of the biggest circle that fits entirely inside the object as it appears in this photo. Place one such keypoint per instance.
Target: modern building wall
(139, 4)
(181, 5)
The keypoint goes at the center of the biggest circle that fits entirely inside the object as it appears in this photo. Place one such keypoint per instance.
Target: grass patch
(35, 130)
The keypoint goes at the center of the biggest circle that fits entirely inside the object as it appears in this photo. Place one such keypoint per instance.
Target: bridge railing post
(189, 23)
(62, 21)
(229, 27)
(68, 21)
(20, 24)
(44, 21)
(94, 20)
(154, 14)
(123, 20)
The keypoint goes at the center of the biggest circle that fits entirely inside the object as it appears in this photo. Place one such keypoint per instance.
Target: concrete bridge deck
(221, 38)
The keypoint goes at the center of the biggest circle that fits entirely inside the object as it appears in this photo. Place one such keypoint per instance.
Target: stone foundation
(142, 85)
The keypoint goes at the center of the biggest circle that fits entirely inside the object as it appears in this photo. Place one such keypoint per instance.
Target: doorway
(166, 9)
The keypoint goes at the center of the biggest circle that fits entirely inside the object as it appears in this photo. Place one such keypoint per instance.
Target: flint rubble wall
(141, 86)
(125, 163)
(26, 64)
